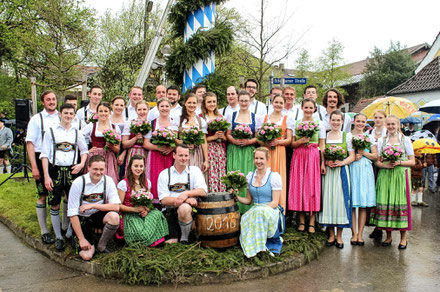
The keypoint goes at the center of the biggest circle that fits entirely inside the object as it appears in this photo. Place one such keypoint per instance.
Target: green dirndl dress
(336, 209)
(393, 209)
(241, 158)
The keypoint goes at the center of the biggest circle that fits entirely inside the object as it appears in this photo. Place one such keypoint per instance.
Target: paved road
(368, 268)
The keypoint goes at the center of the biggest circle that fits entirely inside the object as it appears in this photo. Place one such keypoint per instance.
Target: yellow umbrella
(400, 107)
(428, 146)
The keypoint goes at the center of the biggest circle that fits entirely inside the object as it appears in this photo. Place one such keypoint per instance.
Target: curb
(95, 269)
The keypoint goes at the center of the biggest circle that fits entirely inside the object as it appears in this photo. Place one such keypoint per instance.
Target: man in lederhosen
(62, 145)
(93, 205)
(37, 126)
(178, 188)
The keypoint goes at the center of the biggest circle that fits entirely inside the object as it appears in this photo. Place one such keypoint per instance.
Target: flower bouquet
(392, 153)
(112, 137)
(269, 132)
(234, 180)
(192, 136)
(361, 142)
(142, 198)
(334, 152)
(218, 124)
(306, 129)
(93, 118)
(140, 127)
(163, 137)
(242, 132)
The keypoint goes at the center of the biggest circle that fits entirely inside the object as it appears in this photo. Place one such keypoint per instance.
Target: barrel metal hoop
(219, 236)
(219, 198)
(217, 211)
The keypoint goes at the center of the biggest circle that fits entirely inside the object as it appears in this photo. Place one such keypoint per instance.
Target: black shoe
(312, 226)
(360, 243)
(401, 246)
(339, 245)
(184, 242)
(302, 224)
(47, 238)
(385, 244)
(106, 250)
(330, 243)
(59, 245)
(353, 242)
(376, 234)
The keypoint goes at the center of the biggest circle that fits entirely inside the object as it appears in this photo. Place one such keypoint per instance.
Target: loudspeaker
(23, 112)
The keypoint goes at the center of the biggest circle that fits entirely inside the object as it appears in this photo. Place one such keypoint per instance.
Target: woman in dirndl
(199, 153)
(134, 143)
(393, 203)
(240, 152)
(93, 134)
(117, 118)
(336, 198)
(159, 157)
(216, 145)
(262, 226)
(139, 223)
(277, 147)
(306, 169)
(363, 192)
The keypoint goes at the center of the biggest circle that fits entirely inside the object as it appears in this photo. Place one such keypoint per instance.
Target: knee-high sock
(108, 232)
(185, 228)
(56, 224)
(69, 231)
(1, 169)
(41, 215)
(8, 168)
(419, 197)
(65, 218)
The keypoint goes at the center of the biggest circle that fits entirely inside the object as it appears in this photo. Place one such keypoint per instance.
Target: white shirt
(80, 114)
(316, 115)
(78, 124)
(173, 127)
(275, 180)
(123, 185)
(259, 121)
(90, 188)
(132, 115)
(89, 128)
(321, 134)
(346, 127)
(197, 180)
(229, 110)
(34, 127)
(62, 135)
(340, 140)
(261, 110)
(409, 150)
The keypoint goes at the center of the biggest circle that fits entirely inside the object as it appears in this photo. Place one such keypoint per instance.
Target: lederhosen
(93, 222)
(62, 176)
(171, 212)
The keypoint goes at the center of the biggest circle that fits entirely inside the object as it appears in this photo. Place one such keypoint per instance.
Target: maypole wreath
(200, 39)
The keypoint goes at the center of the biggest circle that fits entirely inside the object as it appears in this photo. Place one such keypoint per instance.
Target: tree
(386, 70)
(46, 39)
(265, 48)
(329, 71)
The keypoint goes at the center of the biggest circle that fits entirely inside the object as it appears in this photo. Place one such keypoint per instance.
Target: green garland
(179, 13)
(218, 39)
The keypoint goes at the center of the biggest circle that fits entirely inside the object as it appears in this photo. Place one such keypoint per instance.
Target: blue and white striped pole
(203, 18)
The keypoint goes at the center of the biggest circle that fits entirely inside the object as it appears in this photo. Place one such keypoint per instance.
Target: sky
(358, 25)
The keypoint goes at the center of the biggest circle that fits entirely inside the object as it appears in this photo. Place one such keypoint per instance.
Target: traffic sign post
(289, 80)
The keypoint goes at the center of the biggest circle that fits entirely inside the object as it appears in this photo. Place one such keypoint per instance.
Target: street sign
(290, 80)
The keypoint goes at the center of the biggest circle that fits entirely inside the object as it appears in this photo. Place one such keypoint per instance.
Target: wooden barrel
(218, 220)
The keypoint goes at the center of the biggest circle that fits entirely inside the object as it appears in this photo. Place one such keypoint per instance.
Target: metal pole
(34, 95)
(154, 46)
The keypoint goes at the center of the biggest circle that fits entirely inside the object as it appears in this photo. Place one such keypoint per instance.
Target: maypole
(201, 39)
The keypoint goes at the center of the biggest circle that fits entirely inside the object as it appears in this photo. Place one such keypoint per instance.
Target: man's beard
(173, 102)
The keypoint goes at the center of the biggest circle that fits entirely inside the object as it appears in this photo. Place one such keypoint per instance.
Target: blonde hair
(142, 102)
(397, 120)
(264, 150)
(381, 112)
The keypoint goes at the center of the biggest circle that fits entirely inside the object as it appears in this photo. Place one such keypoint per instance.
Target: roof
(417, 53)
(433, 52)
(363, 103)
(426, 79)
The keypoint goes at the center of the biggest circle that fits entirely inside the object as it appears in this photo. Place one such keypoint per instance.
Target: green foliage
(139, 264)
(46, 39)
(12, 88)
(184, 55)
(386, 70)
(180, 10)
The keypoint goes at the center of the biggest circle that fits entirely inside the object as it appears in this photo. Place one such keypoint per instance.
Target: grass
(143, 265)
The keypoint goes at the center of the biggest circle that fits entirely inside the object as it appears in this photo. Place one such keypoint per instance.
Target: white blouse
(87, 130)
(339, 141)
(406, 142)
(123, 185)
(275, 179)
